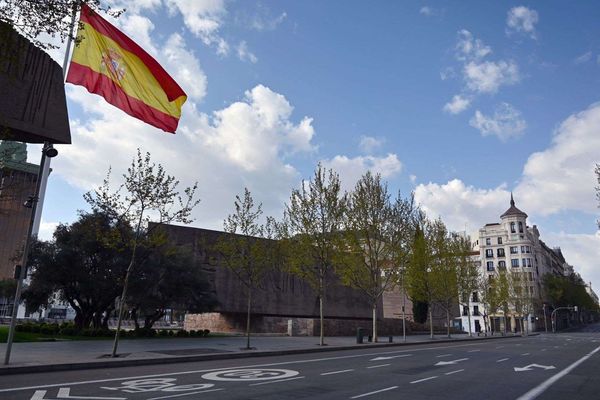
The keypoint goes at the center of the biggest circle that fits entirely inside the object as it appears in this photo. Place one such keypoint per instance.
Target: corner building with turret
(511, 256)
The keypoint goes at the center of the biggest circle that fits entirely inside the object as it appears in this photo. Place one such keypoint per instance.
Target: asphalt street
(561, 366)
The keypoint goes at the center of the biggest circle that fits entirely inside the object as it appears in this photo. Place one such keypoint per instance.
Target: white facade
(512, 246)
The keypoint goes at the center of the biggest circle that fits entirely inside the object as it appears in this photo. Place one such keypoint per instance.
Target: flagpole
(36, 208)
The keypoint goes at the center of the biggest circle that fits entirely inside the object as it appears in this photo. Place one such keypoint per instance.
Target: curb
(29, 369)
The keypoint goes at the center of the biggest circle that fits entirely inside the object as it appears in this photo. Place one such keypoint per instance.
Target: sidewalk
(69, 355)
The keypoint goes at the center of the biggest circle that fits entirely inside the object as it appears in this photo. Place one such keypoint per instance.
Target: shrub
(171, 333)
(182, 333)
(68, 331)
(205, 332)
(163, 333)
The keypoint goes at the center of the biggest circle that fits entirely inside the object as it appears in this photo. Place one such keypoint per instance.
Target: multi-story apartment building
(511, 246)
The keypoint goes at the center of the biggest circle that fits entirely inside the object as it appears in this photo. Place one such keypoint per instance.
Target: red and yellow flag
(108, 63)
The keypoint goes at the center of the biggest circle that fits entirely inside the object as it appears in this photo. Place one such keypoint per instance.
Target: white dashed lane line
(277, 381)
(424, 379)
(178, 395)
(503, 359)
(454, 372)
(525, 354)
(337, 372)
(375, 392)
(443, 355)
(473, 351)
(379, 366)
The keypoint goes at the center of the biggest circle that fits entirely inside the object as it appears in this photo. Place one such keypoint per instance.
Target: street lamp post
(545, 322)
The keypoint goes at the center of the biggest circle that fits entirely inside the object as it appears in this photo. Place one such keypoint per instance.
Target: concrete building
(511, 246)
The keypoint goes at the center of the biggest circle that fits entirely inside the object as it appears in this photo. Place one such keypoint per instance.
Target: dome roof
(513, 211)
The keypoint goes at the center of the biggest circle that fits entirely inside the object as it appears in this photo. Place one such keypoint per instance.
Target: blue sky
(460, 102)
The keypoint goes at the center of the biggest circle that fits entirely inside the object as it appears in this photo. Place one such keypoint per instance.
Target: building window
(512, 228)
(530, 276)
(500, 252)
(475, 297)
(514, 250)
(488, 241)
(528, 249)
(476, 310)
(523, 262)
(489, 253)
(490, 265)
(465, 311)
(520, 227)
(529, 262)
(522, 249)
(501, 264)
(514, 262)
(499, 240)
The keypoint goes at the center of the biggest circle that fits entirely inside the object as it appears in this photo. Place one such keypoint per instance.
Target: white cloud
(264, 21)
(46, 230)
(469, 48)
(184, 66)
(488, 76)
(522, 20)
(459, 205)
(246, 143)
(582, 59)
(204, 19)
(505, 123)
(457, 105)
(245, 54)
(413, 179)
(562, 176)
(351, 169)
(369, 144)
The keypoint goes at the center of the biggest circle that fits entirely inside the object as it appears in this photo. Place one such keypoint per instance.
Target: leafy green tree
(170, 280)
(246, 251)
(147, 193)
(419, 277)
(314, 218)
(370, 252)
(444, 272)
(41, 21)
(420, 311)
(468, 276)
(83, 266)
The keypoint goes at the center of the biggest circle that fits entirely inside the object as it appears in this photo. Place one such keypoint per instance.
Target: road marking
(337, 372)
(379, 366)
(542, 387)
(525, 354)
(454, 372)
(502, 359)
(473, 351)
(375, 392)
(183, 394)
(390, 357)
(442, 363)
(544, 349)
(65, 393)
(531, 366)
(249, 374)
(219, 369)
(444, 355)
(424, 379)
(280, 380)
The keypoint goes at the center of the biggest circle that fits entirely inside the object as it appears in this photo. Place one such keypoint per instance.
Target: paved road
(548, 366)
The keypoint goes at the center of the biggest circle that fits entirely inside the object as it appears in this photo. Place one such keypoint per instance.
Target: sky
(461, 103)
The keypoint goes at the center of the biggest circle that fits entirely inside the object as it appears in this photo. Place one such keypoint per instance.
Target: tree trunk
(431, 322)
(321, 319)
(374, 322)
(248, 319)
(134, 316)
(469, 319)
(448, 322)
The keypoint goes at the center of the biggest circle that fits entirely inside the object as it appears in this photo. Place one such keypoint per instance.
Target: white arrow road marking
(441, 363)
(65, 393)
(531, 366)
(389, 357)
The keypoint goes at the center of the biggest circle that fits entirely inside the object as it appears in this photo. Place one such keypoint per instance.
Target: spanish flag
(108, 63)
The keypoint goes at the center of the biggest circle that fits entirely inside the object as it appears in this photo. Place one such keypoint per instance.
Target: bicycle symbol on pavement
(244, 375)
(157, 385)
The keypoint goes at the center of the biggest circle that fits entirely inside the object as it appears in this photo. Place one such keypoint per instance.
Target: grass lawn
(40, 337)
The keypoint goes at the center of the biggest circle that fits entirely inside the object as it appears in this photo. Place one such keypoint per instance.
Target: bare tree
(314, 218)
(468, 277)
(147, 193)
